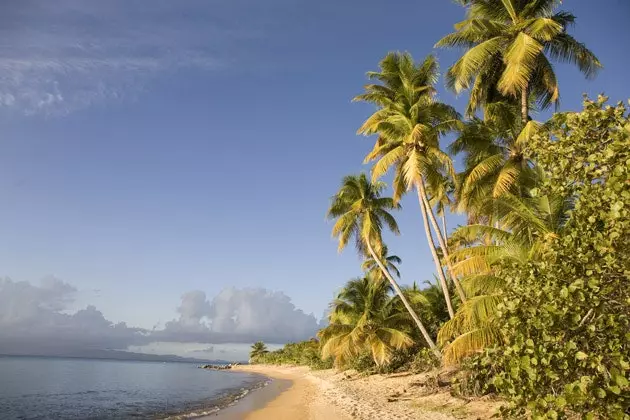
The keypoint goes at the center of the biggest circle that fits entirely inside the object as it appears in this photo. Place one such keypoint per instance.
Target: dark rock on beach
(219, 367)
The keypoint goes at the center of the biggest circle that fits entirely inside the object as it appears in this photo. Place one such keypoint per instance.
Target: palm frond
(477, 232)
(543, 29)
(473, 264)
(399, 185)
(527, 30)
(520, 63)
(469, 343)
(506, 179)
(389, 220)
(531, 128)
(546, 91)
(387, 161)
(511, 9)
(475, 313)
(488, 166)
(461, 74)
(477, 284)
(566, 49)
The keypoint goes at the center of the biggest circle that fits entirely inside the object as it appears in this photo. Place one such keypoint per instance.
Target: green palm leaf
(520, 60)
(469, 343)
(364, 317)
(504, 43)
(360, 213)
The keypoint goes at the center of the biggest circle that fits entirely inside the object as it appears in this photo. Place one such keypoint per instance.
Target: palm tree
(430, 303)
(495, 160)
(364, 317)
(361, 212)
(258, 349)
(527, 223)
(370, 266)
(509, 46)
(409, 123)
(440, 199)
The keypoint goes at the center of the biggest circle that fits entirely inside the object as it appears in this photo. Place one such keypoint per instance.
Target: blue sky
(149, 149)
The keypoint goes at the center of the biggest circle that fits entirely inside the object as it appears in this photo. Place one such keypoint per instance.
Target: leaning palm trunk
(436, 259)
(400, 294)
(423, 198)
(524, 105)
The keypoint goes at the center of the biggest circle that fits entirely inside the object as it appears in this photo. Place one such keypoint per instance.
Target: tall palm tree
(509, 46)
(409, 123)
(440, 199)
(364, 317)
(391, 262)
(258, 349)
(495, 161)
(361, 212)
(527, 223)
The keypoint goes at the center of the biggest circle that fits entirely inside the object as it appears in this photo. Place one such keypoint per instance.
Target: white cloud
(66, 55)
(35, 319)
(239, 316)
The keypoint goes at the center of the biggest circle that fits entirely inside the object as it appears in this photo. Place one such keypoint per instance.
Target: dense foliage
(304, 353)
(369, 331)
(565, 317)
(365, 318)
(532, 295)
(360, 212)
(259, 349)
(556, 273)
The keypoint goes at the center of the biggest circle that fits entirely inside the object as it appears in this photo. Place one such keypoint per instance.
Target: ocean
(58, 388)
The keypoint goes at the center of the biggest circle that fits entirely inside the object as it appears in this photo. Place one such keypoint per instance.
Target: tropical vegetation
(365, 318)
(304, 353)
(531, 299)
(360, 213)
(258, 350)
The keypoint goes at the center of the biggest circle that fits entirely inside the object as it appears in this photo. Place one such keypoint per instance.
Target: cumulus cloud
(34, 319)
(193, 308)
(66, 55)
(239, 316)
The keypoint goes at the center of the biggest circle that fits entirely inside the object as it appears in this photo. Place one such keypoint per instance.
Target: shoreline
(297, 393)
(291, 394)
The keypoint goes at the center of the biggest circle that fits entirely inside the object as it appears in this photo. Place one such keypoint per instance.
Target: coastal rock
(218, 367)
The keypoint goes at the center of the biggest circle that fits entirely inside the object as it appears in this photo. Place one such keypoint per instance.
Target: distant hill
(118, 355)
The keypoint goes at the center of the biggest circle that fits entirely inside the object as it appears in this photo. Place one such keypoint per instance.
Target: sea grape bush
(565, 318)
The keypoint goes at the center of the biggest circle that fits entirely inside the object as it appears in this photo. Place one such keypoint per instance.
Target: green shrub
(424, 361)
(304, 353)
(363, 363)
(566, 317)
(417, 359)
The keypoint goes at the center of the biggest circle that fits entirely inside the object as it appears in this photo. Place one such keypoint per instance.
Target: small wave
(224, 401)
(194, 414)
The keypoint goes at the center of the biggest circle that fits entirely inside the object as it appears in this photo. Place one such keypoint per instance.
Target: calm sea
(55, 388)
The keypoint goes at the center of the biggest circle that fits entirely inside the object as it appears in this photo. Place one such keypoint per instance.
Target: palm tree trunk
(422, 194)
(444, 232)
(436, 259)
(524, 106)
(400, 294)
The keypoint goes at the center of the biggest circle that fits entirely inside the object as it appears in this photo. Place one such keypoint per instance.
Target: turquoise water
(56, 388)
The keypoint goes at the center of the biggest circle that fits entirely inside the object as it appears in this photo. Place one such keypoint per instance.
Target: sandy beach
(297, 393)
(292, 395)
